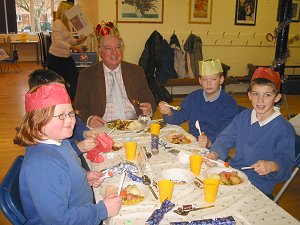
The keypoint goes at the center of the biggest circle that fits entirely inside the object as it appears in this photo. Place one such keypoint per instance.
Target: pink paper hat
(46, 96)
(269, 74)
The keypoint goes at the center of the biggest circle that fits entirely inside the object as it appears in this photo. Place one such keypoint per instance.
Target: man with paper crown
(211, 106)
(51, 170)
(263, 139)
(112, 89)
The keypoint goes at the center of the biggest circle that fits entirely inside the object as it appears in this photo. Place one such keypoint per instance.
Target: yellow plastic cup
(211, 187)
(154, 128)
(195, 164)
(130, 150)
(165, 189)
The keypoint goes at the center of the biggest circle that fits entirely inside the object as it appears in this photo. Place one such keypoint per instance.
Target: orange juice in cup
(130, 150)
(195, 164)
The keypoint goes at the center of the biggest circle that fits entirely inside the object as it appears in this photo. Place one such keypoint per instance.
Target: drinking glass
(145, 120)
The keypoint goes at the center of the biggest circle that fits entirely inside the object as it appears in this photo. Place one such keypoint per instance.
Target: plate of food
(179, 176)
(179, 138)
(126, 125)
(228, 177)
(132, 193)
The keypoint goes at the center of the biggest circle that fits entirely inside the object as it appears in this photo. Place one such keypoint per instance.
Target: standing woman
(62, 42)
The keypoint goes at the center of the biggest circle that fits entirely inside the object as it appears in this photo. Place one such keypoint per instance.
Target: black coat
(157, 59)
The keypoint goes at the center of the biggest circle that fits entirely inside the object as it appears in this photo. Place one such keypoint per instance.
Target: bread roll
(111, 189)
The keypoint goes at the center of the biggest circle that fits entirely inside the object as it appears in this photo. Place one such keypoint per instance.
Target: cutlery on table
(197, 125)
(214, 161)
(108, 174)
(177, 108)
(247, 168)
(183, 212)
(112, 130)
(121, 182)
(147, 181)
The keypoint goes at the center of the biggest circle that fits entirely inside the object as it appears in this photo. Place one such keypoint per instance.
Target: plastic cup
(165, 189)
(195, 164)
(130, 150)
(211, 187)
(154, 128)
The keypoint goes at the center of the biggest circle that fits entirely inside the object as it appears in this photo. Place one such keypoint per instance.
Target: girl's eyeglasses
(63, 116)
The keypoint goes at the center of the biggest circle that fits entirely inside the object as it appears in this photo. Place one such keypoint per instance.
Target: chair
(295, 171)
(12, 61)
(43, 50)
(10, 202)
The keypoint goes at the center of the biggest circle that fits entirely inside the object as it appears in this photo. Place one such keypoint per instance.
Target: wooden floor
(13, 87)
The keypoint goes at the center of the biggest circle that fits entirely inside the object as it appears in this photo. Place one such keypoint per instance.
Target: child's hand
(164, 109)
(263, 167)
(86, 144)
(93, 178)
(204, 141)
(211, 155)
(113, 204)
(91, 133)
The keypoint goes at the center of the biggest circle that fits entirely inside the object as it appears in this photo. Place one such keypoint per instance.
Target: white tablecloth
(244, 202)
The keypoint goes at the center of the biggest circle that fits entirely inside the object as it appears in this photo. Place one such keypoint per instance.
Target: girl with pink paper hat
(54, 188)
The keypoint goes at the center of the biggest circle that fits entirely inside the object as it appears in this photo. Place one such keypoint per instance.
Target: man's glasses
(63, 116)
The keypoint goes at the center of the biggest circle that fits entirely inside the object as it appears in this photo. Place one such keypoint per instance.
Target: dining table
(244, 202)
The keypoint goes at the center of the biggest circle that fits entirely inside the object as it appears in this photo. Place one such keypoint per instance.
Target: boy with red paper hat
(51, 171)
(263, 139)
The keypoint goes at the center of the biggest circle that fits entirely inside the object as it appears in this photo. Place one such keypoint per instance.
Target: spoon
(182, 212)
(147, 181)
(197, 125)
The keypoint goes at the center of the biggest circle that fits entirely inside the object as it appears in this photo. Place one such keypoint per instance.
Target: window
(29, 16)
(36, 15)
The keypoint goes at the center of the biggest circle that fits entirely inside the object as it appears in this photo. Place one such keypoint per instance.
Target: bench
(175, 82)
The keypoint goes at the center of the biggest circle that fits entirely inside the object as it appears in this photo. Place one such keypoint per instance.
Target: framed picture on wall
(140, 11)
(295, 10)
(245, 12)
(200, 11)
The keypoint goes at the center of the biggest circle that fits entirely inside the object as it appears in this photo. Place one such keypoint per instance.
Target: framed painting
(245, 12)
(140, 11)
(295, 11)
(200, 11)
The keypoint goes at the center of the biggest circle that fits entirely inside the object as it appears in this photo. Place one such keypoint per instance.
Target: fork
(182, 212)
(177, 108)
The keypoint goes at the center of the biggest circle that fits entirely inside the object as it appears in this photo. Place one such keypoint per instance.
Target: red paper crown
(106, 28)
(269, 74)
(46, 96)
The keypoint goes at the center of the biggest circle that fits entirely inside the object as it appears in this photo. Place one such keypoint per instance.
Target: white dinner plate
(144, 190)
(180, 177)
(139, 127)
(217, 170)
(168, 137)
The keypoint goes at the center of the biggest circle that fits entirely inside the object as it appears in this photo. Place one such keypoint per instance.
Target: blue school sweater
(213, 116)
(275, 141)
(54, 188)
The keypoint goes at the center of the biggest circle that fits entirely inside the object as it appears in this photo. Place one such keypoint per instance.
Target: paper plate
(180, 177)
(217, 170)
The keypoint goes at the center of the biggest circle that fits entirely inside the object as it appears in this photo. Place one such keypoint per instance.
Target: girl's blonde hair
(60, 13)
(30, 131)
